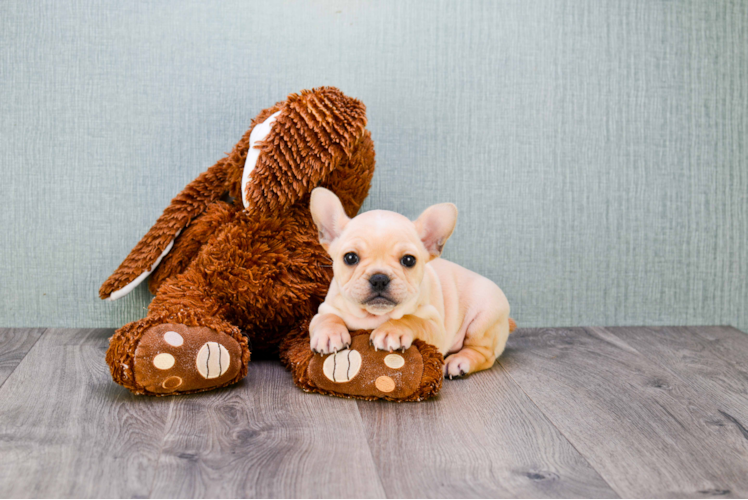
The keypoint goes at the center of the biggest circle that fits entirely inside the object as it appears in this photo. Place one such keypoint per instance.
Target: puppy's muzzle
(379, 282)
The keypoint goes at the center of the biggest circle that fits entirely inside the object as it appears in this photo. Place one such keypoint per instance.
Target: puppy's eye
(408, 261)
(350, 258)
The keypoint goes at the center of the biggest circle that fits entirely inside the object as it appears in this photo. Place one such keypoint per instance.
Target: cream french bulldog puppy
(388, 278)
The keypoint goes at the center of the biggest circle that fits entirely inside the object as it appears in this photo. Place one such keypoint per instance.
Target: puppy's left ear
(435, 226)
(328, 215)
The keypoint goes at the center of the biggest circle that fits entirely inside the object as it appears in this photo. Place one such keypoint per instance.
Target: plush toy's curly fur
(251, 267)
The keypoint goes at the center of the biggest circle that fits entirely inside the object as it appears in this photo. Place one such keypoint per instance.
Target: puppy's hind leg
(484, 342)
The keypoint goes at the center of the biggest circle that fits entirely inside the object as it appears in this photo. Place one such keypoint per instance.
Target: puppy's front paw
(329, 340)
(456, 365)
(389, 337)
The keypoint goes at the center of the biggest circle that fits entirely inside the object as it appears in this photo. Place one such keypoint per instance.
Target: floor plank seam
(558, 429)
(161, 448)
(44, 332)
(368, 444)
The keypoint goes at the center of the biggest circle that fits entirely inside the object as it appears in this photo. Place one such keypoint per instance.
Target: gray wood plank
(726, 342)
(482, 437)
(264, 437)
(14, 344)
(66, 430)
(713, 360)
(646, 431)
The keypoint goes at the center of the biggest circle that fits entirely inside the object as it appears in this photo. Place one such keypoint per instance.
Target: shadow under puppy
(388, 278)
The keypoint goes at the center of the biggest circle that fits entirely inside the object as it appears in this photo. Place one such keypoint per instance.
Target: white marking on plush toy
(394, 361)
(163, 361)
(212, 360)
(258, 134)
(118, 294)
(385, 384)
(173, 339)
(342, 366)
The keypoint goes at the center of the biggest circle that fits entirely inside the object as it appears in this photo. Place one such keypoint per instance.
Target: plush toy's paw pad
(456, 366)
(173, 358)
(364, 371)
(342, 366)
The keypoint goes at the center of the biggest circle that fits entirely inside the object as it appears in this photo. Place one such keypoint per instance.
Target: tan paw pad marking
(385, 384)
(213, 360)
(163, 361)
(173, 339)
(394, 361)
(171, 383)
(342, 366)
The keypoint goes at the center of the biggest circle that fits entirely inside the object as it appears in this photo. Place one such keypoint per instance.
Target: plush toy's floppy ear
(259, 133)
(435, 226)
(222, 178)
(328, 215)
(297, 148)
(157, 242)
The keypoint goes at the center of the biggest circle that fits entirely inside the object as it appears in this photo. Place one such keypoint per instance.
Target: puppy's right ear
(435, 225)
(328, 215)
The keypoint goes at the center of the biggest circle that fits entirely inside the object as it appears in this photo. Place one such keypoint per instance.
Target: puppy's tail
(512, 325)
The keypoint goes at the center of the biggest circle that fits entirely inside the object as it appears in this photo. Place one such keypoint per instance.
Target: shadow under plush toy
(235, 261)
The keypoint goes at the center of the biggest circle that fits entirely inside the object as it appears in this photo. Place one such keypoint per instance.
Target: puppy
(388, 278)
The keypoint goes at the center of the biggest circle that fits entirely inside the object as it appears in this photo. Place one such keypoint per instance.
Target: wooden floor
(582, 412)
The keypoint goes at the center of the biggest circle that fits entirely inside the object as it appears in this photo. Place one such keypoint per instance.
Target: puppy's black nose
(379, 282)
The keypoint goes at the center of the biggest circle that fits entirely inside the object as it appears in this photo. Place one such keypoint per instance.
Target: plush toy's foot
(365, 373)
(158, 358)
(174, 358)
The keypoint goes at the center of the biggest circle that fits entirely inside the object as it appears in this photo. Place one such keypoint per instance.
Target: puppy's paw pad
(456, 366)
(329, 341)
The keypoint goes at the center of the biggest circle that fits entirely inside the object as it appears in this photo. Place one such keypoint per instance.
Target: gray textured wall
(597, 149)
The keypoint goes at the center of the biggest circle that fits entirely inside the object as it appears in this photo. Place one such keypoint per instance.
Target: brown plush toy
(234, 262)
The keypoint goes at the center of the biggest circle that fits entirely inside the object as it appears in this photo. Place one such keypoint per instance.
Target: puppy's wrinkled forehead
(380, 231)
(425, 236)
